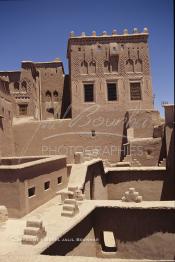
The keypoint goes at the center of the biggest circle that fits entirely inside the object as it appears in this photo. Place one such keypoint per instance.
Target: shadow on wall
(66, 111)
(168, 192)
(95, 186)
(163, 152)
(124, 136)
(115, 177)
(133, 224)
(73, 239)
(1, 124)
(139, 234)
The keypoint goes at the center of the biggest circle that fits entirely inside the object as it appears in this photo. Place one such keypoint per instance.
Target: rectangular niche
(108, 242)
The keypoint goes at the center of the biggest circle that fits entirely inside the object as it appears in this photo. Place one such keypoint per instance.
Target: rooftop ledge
(49, 62)
(168, 105)
(42, 160)
(106, 36)
(114, 34)
(142, 168)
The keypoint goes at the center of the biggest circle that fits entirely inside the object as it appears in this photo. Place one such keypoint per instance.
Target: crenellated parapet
(114, 33)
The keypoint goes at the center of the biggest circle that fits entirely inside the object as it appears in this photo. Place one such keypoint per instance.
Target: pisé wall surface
(138, 233)
(6, 117)
(67, 136)
(15, 180)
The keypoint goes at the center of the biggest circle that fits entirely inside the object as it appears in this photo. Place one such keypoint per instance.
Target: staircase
(132, 161)
(70, 208)
(33, 232)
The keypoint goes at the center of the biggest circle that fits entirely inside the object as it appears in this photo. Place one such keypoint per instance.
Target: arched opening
(114, 63)
(16, 87)
(92, 67)
(106, 66)
(48, 96)
(24, 86)
(55, 96)
(138, 65)
(84, 67)
(129, 65)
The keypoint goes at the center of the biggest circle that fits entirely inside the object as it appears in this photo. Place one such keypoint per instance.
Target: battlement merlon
(126, 37)
(4, 79)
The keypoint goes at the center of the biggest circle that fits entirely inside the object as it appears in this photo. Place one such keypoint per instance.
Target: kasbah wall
(105, 102)
(6, 117)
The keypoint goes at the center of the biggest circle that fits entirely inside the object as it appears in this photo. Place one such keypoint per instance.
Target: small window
(135, 91)
(24, 86)
(48, 96)
(88, 92)
(55, 96)
(93, 132)
(16, 86)
(23, 109)
(59, 180)
(31, 191)
(47, 185)
(112, 91)
(114, 60)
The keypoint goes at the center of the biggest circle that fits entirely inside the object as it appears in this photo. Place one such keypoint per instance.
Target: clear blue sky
(38, 30)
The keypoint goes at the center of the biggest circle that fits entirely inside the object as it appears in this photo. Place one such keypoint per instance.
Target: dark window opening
(93, 133)
(114, 59)
(55, 96)
(88, 92)
(31, 191)
(59, 180)
(23, 109)
(106, 66)
(149, 151)
(48, 96)
(16, 86)
(112, 92)
(47, 185)
(135, 91)
(50, 110)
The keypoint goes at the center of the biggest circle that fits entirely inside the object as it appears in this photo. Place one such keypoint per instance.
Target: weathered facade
(31, 181)
(111, 71)
(107, 97)
(6, 117)
(37, 89)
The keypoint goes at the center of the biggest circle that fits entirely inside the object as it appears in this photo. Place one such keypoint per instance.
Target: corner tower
(111, 71)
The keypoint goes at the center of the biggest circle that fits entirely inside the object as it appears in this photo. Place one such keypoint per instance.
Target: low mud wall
(149, 183)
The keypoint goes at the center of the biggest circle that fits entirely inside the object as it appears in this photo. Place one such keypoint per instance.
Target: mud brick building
(105, 101)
